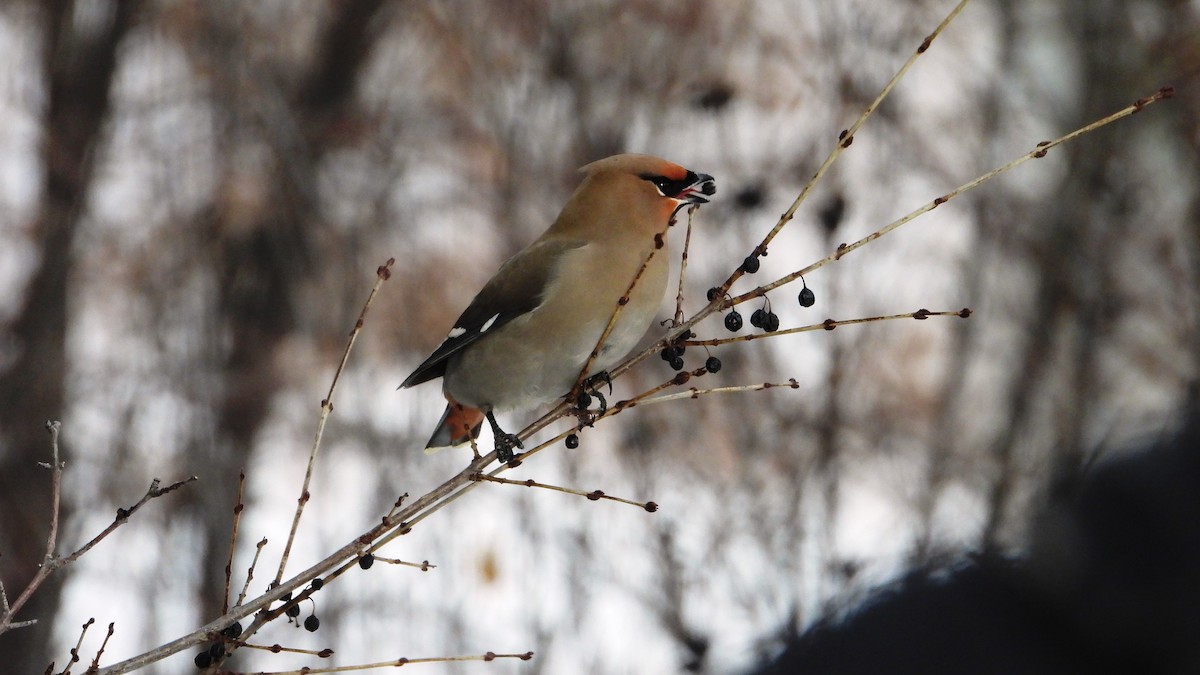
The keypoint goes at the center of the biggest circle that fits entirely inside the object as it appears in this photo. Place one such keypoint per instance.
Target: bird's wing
(517, 288)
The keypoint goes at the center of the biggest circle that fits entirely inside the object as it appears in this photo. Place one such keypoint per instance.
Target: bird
(527, 336)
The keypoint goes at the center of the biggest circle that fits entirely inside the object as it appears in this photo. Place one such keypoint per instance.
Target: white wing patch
(455, 332)
(488, 324)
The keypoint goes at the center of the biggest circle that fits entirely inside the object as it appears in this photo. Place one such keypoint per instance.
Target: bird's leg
(592, 384)
(582, 398)
(505, 442)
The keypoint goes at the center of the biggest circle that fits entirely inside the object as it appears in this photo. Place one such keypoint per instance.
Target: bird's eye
(670, 188)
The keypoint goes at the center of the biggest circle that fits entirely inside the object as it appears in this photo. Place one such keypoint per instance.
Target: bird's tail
(458, 425)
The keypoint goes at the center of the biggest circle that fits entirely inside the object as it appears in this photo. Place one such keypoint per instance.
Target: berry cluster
(765, 319)
(673, 355)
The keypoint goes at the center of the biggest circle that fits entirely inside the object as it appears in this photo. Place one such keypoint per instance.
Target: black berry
(756, 318)
(312, 623)
(366, 561)
(671, 351)
(714, 293)
(677, 363)
(202, 660)
(583, 401)
(572, 441)
(318, 584)
(771, 322)
(750, 264)
(233, 630)
(733, 321)
(807, 297)
(216, 651)
(293, 611)
(713, 364)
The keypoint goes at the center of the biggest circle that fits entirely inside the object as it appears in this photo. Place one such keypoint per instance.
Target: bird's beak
(701, 188)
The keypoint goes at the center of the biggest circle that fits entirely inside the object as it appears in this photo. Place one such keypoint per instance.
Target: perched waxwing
(525, 338)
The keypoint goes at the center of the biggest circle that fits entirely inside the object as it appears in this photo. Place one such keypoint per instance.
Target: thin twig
(489, 656)
(396, 505)
(424, 565)
(382, 274)
(100, 652)
(258, 548)
(594, 495)
(278, 648)
(56, 470)
(233, 534)
(78, 643)
(694, 393)
(828, 324)
(683, 260)
(123, 515)
(44, 570)
(677, 380)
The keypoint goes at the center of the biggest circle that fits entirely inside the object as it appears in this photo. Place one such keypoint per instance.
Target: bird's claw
(592, 383)
(505, 443)
(583, 398)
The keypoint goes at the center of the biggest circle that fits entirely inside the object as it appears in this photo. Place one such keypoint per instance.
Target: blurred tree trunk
(78, 67)
(263, 249)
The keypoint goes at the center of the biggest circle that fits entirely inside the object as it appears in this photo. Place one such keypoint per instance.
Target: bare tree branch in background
(79, 58)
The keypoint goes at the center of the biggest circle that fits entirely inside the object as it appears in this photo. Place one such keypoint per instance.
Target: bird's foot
(583, 398)
(505, 442)
(592, 383)
(504, 446)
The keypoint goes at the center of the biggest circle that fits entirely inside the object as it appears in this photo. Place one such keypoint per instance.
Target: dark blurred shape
(750, 197)
(1112, 585)
(715, 97)
(832, 212)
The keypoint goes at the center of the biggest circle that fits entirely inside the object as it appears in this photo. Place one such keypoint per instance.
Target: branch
(677, 318)
(382, 274)
(78, 643)
(250, 571)
(424, 565)
(829, 324)
(594, 495)
(153, 492)
(103, 645)
(489, 656)
(238, 507)
(56, 469)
